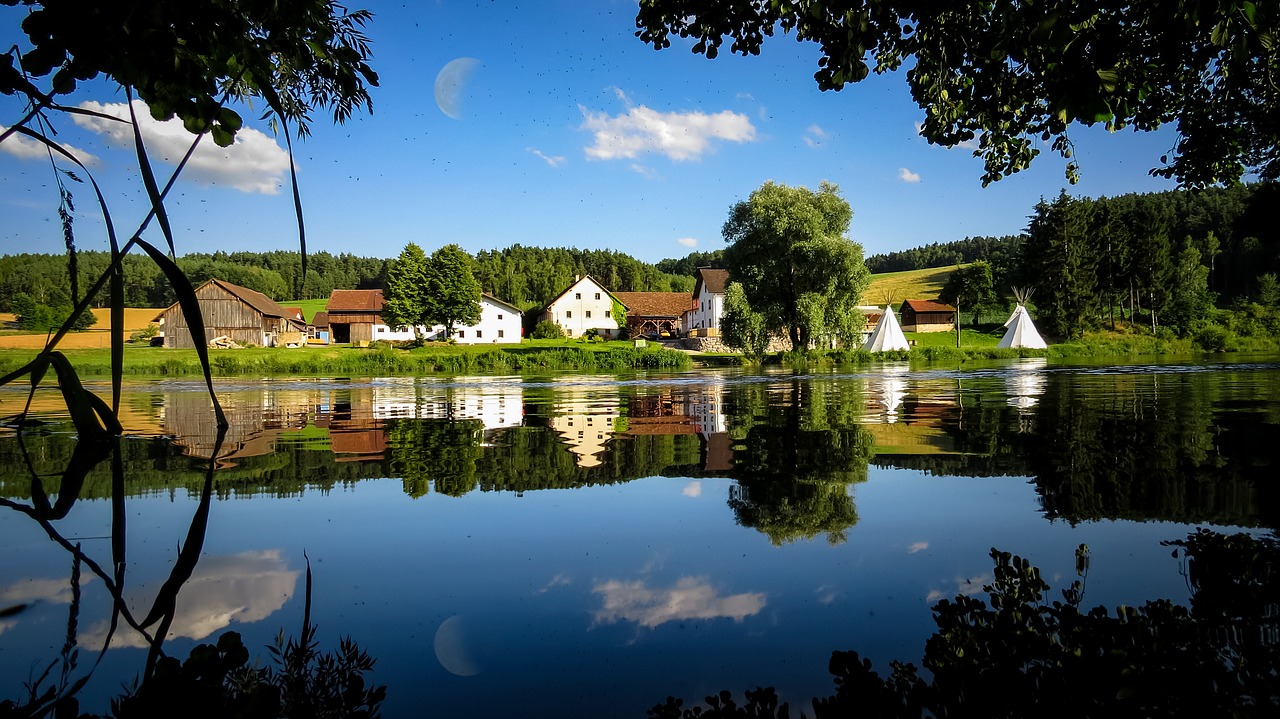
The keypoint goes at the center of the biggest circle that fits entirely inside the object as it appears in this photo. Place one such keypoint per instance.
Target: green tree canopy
(405, 301)
(788, 249)
(1014, 74)
(452, 291)
(972, 287)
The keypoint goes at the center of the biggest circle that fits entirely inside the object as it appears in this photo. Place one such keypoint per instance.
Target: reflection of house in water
(908, 417)
(585, 420)
(256, 417)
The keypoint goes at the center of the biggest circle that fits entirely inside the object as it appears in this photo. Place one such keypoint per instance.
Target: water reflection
(690, 598)
(742, 474)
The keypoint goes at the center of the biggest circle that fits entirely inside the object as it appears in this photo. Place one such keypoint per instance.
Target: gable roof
(496, 301)
(925, 306)
(320, 319)
(354, 301)
(655, 304)
(711, 280)
(580, 280)
(296, 313)
(255, 299)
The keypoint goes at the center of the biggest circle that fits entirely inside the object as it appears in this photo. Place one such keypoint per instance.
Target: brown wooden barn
(245, 316)
(353, 313)
(654, 312)
(927, 316)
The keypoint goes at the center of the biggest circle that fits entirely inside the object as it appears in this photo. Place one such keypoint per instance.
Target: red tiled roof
(925, 306)
(712, 280)
(320, 319)
(355, 301)
(655, 304)
(294, 312)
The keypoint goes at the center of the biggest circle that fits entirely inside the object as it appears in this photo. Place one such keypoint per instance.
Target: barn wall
(223, 314)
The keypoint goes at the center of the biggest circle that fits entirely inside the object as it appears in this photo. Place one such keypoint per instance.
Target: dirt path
(97, 336)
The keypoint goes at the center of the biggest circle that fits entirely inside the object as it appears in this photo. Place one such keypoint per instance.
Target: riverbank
(572, 355)
(354, 361)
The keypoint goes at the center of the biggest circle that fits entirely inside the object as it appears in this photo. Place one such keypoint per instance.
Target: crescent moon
(453, 649)
(451, 85)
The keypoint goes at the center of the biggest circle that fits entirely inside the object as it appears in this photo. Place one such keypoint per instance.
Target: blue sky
(568, 132)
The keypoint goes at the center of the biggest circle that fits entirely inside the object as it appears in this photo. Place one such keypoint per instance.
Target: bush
(547, 330)
(1213, 338)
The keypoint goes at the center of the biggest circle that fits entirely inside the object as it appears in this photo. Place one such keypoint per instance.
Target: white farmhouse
(499, 323)
(586, 305)
(708, 303)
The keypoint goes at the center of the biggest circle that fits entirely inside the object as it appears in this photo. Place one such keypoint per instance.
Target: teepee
(887, 335)
(1021, 331)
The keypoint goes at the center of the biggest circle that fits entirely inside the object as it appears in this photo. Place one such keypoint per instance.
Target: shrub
(547, 330)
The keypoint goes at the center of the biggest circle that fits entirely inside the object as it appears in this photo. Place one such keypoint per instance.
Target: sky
(555, 127)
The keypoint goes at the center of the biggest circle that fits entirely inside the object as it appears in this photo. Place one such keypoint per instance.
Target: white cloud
(678, 135)
(560, 580)
(647, 173)
(826, 594)
(552, 160)
(689, 242)
(917, 547)
(964, 586)
(690, 598)
(24, 148)
(907, 175)
(693, 488)
(245, 587)
(255, 163)
(814, 136)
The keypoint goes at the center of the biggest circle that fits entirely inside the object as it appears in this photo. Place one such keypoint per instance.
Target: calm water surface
(587, 545)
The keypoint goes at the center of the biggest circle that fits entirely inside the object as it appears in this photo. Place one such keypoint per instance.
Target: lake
(588, 545)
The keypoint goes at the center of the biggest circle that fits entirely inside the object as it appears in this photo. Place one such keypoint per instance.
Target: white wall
(497, 324)
(710, 309)
(586, 306)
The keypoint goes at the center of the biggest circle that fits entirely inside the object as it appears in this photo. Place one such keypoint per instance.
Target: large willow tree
(798, 270)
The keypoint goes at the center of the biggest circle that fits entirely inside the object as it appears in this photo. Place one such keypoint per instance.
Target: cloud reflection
(964, 586)
(246, 587)
(690, 598)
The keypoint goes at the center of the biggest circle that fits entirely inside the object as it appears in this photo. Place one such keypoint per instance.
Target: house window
(499, 316)
(499, 334)
(568, 314)
(479, 334)
(461, 334)
(577, 295)
(588, 314)
(597, 295)
(382, 329)
(608, 314)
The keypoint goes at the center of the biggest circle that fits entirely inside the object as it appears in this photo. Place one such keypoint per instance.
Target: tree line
(997, 250)
(1160, 260)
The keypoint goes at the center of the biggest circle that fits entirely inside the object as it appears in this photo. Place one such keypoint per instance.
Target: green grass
(907, 285)
(349, 361)
(309, 307)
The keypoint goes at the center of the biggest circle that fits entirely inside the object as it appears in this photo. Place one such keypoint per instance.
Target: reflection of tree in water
(1018, 654)
(438, 452)
(1153, 447)
(799, 449)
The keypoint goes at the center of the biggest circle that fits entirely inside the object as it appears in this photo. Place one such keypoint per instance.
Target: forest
(1193, 263)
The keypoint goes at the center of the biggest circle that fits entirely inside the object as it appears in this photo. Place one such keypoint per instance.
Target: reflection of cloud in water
(6, 625)
(917, 547)
(245, 587)
(692, 489)
(966, 587)
(560, 580)
(690, 598)
(826, 594)
(26, 591)
(454, 647)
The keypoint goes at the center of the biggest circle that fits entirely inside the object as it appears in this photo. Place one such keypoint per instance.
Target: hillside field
(909, 285)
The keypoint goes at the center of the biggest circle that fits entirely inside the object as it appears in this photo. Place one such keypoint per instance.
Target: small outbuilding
(657, 313)
(927, 316)
(243, 316)
(352, 315)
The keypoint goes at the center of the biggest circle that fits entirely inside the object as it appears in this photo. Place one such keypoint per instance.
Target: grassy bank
(350, 361)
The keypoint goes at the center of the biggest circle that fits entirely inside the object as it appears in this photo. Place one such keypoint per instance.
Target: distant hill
(909, 285)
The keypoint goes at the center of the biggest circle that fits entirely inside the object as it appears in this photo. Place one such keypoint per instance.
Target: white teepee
(887, 335)
(1021, 331)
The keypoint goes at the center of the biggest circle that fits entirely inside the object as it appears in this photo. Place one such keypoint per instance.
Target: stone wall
(716, 344)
